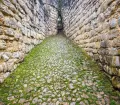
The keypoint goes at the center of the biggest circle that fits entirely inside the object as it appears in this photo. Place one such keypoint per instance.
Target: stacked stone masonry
(23, 24)
(95, 26)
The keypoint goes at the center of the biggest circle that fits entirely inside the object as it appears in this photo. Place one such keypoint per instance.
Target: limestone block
(4, 37)
(12, 47)
(116, 42)
(2, 45)
(35, 42)
(1, 78)
(103, 44)
(97, 45)
(40, 36)
(27, 40)
(109, 59)
(116, 61)
(113, 23)
(113, 6)
(99, 29)
(24, 30)
(17, 35)
(113, 51)
(10, 22)
(10, 66)
(4, 67)
(101, 17)
(19, 25)
(9, 32)
(5, 57)
(1, 18)
(18, 55)
(17, 17)
(6, 75)
(119, 21)
(33, 33)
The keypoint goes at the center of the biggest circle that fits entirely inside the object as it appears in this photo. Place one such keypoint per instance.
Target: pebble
(82, 103)
(21, 101)
(35, 100)
(73, 103)
(69, 98)
(74, 81)
(62, 93)
(78, 99)
(25, 85)
(71, 86)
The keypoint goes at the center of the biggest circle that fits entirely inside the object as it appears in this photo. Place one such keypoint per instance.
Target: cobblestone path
(57, 72)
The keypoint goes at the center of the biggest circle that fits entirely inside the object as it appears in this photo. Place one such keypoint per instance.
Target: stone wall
(95, 26)
(23, 24)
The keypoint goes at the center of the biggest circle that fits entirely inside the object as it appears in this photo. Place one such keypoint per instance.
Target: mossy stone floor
(57, 72)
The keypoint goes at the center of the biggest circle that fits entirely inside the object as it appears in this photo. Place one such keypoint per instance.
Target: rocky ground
(57, 72)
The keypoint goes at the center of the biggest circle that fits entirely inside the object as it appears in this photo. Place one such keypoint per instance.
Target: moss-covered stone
(57, 71)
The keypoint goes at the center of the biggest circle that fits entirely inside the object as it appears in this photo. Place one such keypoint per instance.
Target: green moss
(112, 102)
(59, 56)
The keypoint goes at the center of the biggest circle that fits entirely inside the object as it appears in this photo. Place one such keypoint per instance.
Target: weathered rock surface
(95, 26)
(23, 25)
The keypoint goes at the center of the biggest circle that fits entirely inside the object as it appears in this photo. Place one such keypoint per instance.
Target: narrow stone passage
(57, 72)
